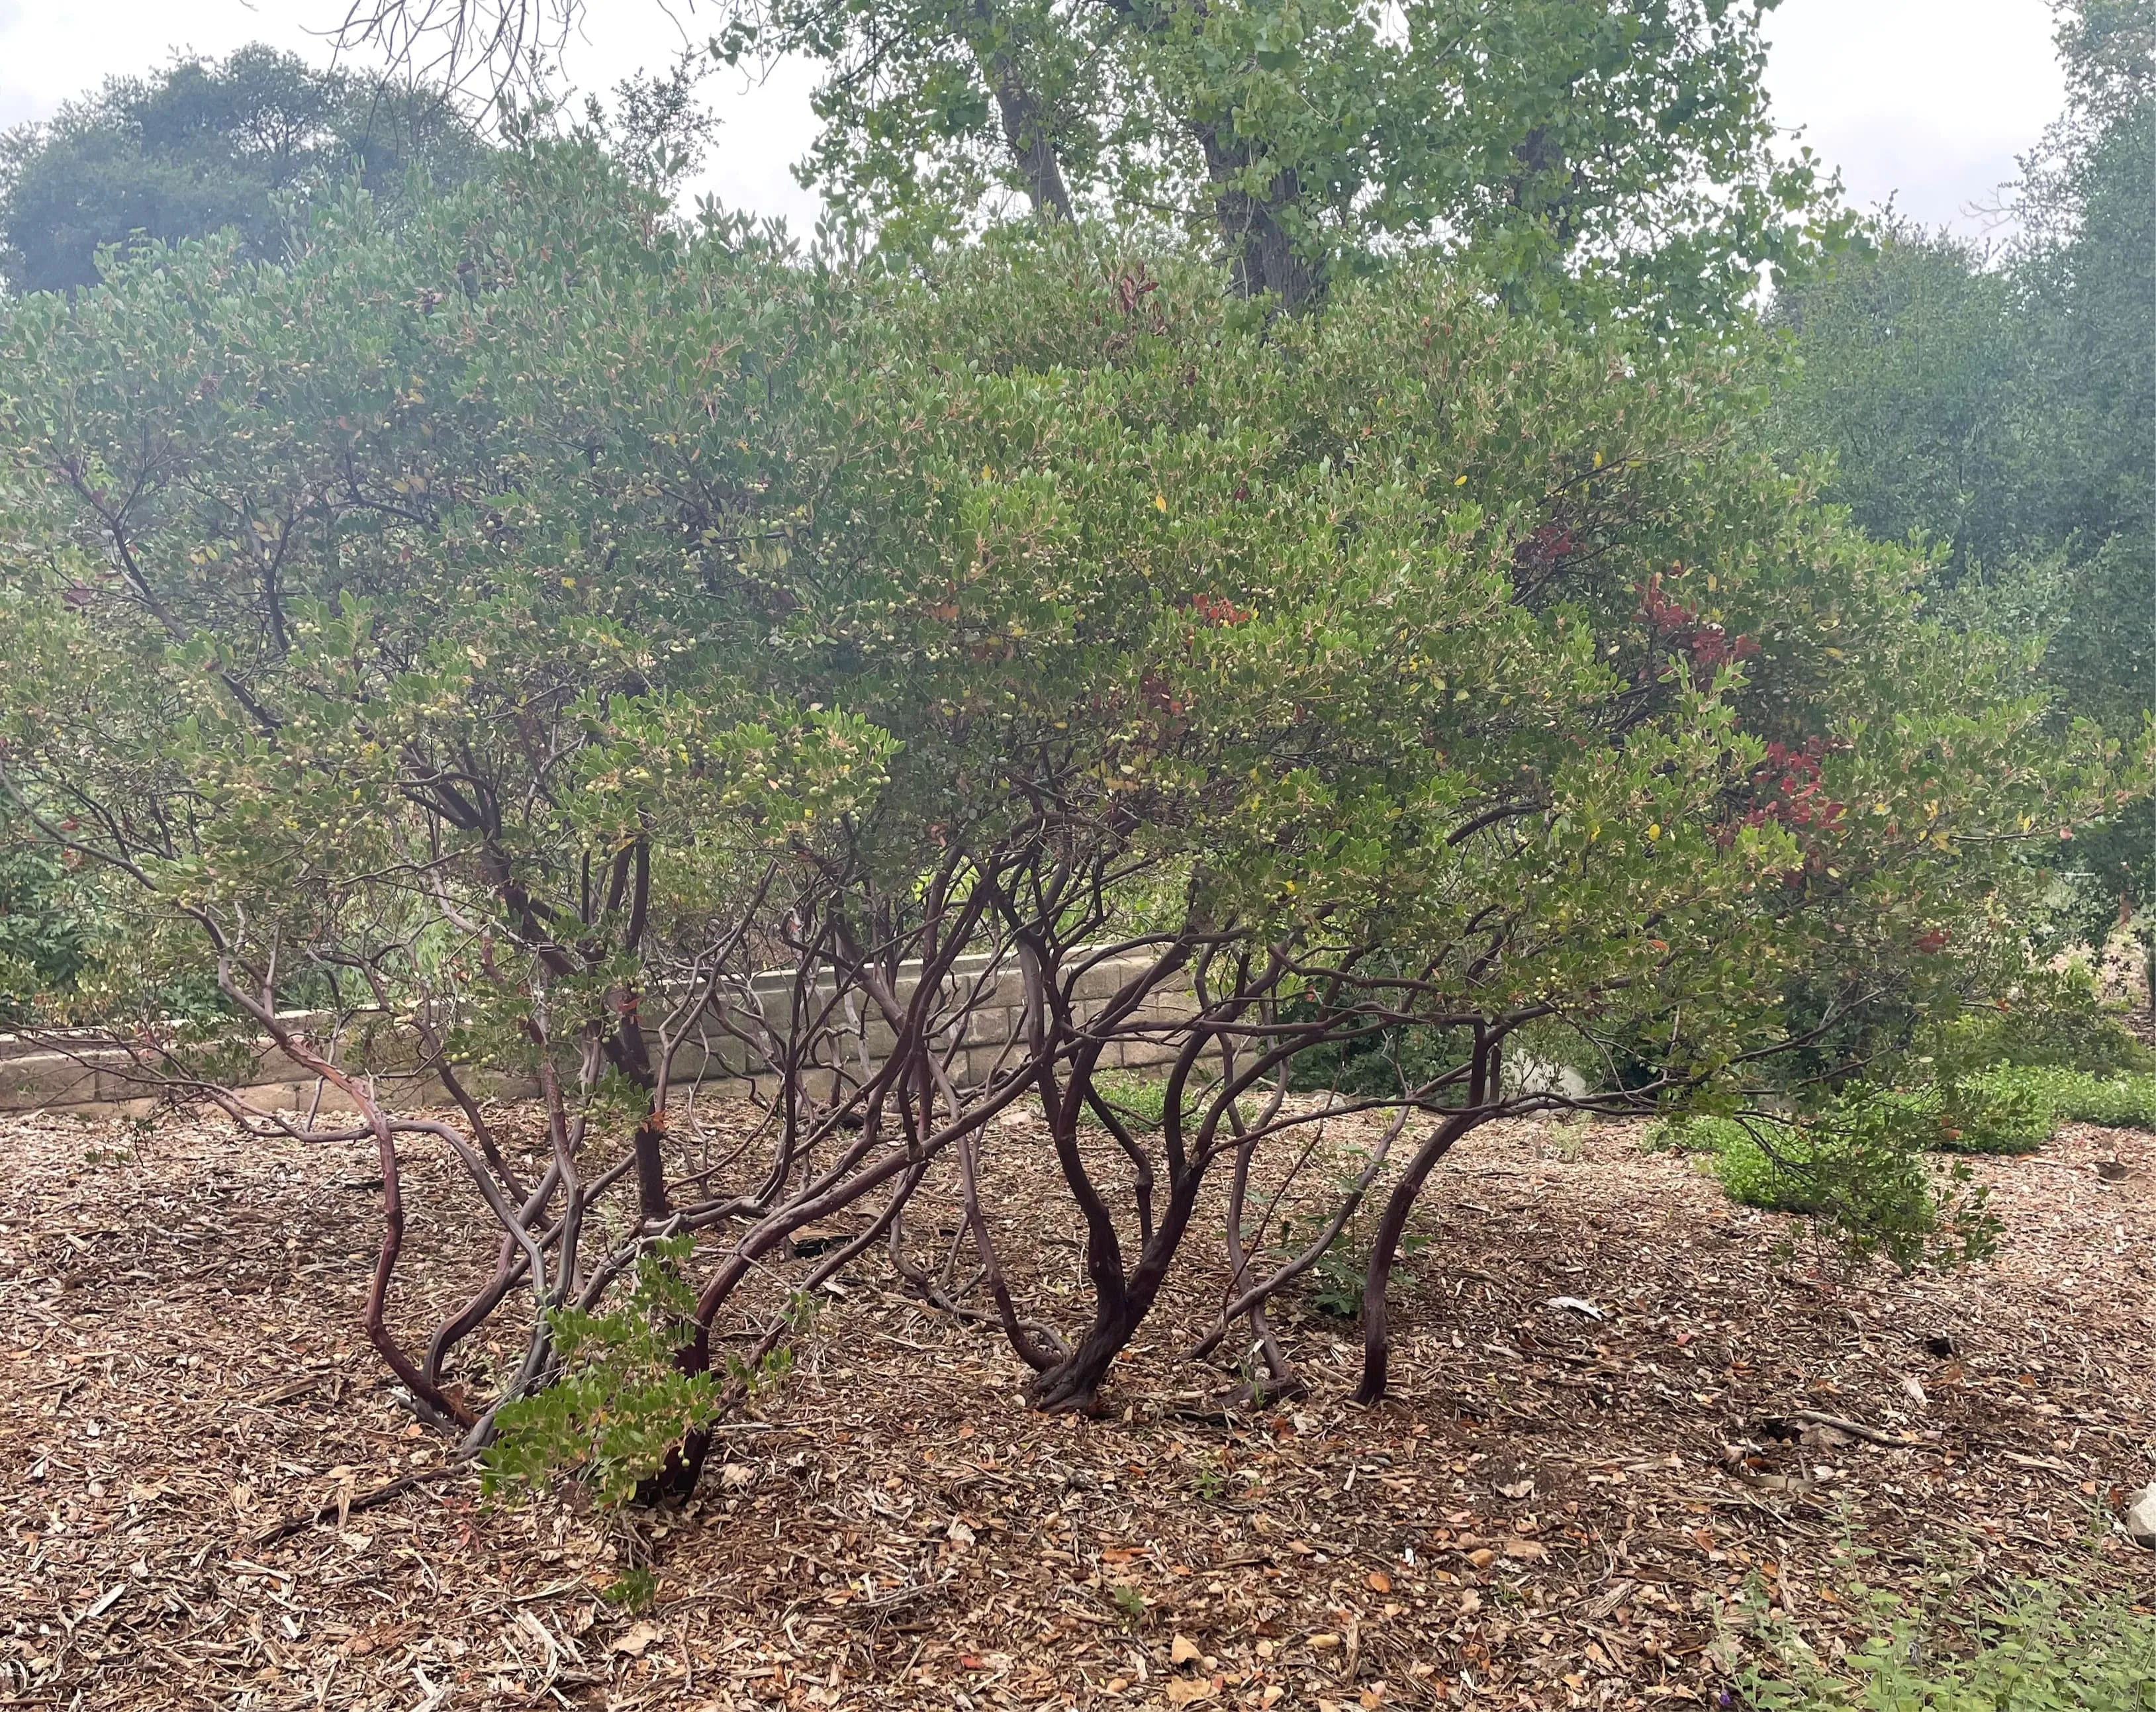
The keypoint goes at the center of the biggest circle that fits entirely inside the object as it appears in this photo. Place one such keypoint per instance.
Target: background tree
(1911, 367)
(2003, 404)
(209, 145)
(1622, 144)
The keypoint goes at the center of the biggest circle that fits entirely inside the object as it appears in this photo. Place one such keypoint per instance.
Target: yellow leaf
(1160, 502)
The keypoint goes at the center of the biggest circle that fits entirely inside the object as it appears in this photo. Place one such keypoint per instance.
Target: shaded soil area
(213, 1497)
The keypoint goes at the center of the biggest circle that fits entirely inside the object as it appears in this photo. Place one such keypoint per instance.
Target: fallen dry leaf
(638, 1641)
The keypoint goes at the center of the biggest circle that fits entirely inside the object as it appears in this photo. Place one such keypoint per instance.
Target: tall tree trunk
(1029, 145)
(1263, 256)
(1024, 121)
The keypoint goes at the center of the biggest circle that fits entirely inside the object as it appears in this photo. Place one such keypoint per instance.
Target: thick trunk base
(1073, 1386)
(1061, 1392)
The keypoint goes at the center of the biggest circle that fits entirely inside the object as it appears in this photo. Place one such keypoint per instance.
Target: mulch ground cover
(214, 1498)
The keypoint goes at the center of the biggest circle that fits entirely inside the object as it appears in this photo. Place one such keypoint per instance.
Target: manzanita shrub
(554, 647)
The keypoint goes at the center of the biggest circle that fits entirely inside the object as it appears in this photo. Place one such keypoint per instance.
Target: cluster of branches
(829, 1045)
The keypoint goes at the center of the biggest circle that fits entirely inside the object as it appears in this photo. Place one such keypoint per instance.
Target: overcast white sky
(1927, 100)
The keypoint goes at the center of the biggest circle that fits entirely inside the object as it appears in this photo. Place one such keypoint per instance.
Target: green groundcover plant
(2039, 1647)
(2077, 1096)
(1857, 1167)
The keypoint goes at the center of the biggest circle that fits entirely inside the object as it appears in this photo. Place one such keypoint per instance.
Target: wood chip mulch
(213, 1497)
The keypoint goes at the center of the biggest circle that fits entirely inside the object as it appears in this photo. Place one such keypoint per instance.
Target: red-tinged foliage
(1680, 626)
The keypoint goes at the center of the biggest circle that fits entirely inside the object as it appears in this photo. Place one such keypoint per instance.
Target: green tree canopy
(1623, 140)
(1910, 376)
(2003, 404)
(1573, 147)
(206, 146)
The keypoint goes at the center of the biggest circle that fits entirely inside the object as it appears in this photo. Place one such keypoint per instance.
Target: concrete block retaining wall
(78, 1074)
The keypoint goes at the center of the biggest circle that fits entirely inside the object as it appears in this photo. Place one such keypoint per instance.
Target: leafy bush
(1987, 1114)
(2056, 1019)
(1856, 1170)
(2014, 1108)
(2008, 1109)
(2036, 1650)
(621, 1402)
(2000, 1077)
(682, 610)
(2062, 1026)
